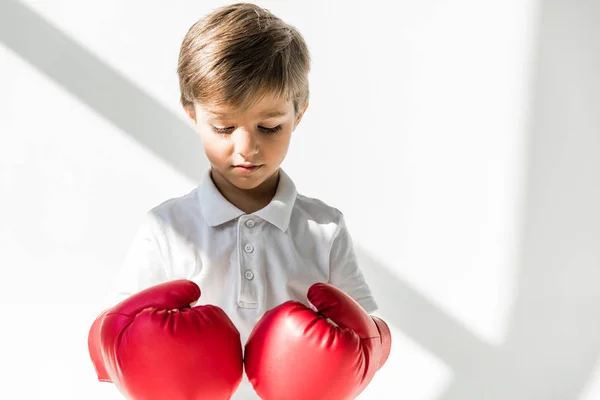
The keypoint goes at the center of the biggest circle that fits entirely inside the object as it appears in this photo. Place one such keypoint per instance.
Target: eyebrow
(266, 114)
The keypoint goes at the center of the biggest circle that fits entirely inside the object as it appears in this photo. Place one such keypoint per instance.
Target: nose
(245, 143)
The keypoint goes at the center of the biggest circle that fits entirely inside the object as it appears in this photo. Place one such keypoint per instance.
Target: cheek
(214, 146)
(277, 149)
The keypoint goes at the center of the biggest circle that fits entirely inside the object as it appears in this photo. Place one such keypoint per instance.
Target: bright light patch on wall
(591, 390)
(416, 373)
(450, 173)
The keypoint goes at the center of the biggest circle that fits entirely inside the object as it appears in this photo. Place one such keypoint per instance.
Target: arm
(345, 274)
(344, 271)
(144, 264)
(143, 267)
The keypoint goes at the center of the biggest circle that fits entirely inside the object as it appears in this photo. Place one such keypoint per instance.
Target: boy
(244, 235)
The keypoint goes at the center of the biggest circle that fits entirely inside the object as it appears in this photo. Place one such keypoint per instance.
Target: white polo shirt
(244, 263)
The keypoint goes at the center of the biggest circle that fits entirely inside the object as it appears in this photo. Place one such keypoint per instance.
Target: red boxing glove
(154, 346)
(295, 353)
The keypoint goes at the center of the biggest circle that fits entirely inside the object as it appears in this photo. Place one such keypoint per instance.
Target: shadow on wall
(100, 87)
(553, 339)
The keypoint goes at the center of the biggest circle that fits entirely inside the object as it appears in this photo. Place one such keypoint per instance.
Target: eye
(270, 130)
(227, 131)
(220, 131)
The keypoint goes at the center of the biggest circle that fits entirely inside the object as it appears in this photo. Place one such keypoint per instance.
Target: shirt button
(249, 223)
(249, 275)
(249, 248)
(241, 303)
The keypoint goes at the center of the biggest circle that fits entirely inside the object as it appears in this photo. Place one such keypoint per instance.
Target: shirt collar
(217, 210)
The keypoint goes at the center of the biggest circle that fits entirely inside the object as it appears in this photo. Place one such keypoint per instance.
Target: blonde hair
(239, 53)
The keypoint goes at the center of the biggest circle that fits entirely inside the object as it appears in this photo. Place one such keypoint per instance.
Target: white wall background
(461, 139)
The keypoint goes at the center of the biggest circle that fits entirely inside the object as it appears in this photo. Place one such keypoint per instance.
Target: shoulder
(175, 210)
(318, 210)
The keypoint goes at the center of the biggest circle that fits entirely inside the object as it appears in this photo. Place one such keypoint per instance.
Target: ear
(191, 112)
(300, 115)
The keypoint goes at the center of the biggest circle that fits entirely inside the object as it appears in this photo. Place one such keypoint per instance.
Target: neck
(247, 200)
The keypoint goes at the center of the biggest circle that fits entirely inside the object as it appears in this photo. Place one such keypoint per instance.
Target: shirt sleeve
(143, 265)
(344, 271)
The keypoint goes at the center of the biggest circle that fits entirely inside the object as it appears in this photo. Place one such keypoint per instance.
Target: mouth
(247, 167)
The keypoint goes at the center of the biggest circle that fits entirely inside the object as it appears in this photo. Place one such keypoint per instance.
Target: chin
(245, 183)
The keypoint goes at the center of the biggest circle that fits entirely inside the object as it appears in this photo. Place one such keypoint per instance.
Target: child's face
(232, 139)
